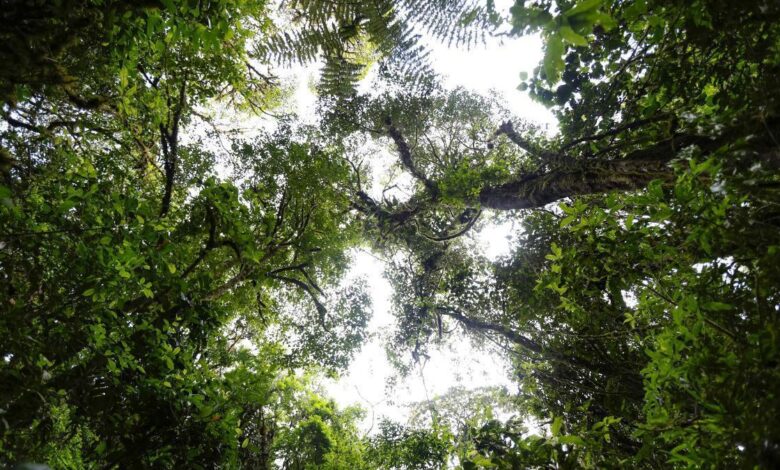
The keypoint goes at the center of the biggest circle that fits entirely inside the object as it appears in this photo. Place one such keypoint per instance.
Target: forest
(172, 290)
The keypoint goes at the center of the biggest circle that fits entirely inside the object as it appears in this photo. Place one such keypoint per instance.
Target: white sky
(490, 70)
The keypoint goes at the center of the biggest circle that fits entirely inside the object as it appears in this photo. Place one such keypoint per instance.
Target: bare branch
(502, 330)
(243, 273)
(210, 243)
(615, 131)
(507, 129)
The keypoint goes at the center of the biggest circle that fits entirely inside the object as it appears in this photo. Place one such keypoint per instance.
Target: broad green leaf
(570, 36)
(571, 439)
(583, 6)
(553, 60)
(555, 427)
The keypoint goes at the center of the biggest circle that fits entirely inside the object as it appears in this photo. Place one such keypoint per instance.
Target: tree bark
(592, 176)
(507, 333)
(539, 189)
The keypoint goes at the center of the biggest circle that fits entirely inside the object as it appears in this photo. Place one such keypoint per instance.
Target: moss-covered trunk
(539, 189)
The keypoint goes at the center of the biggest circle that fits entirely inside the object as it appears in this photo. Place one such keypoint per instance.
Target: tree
(408, 448)
(620, 301)
(692, 143)
(135, 277)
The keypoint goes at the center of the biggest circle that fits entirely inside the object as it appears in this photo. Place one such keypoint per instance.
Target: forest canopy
(173, 289)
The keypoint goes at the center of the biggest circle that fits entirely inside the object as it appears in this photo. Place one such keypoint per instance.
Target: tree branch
(507, 129)
(512, 336)
(321, 310)
(456, 234)
(170, 147)
(616, 130)
(406, 157)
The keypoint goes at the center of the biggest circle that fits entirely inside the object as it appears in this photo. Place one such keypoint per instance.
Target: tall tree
(135, 278)
(626, 296)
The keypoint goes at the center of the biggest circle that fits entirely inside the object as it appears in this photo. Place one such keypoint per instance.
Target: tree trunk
(593, 175)
(540, 189)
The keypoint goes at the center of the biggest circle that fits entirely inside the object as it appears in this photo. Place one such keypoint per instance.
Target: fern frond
(337, 30)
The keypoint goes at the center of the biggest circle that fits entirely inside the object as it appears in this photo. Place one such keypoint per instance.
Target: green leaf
(571, 439)
(604, 20)
(480, 460)
(553, 60)
(570, 36)
(555, 427)
(123, 77)
(556, 249)
(468, 18)
(717, 306)
(583, 7)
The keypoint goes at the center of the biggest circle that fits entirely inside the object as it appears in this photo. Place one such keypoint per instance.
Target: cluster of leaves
(641, 326)
(643, 58)
(397, 446)
(665, 295)
(69, 48)
(129, 321)
(349, 36)
(160, 312)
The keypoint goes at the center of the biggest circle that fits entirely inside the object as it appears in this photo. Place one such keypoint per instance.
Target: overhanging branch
(321, 310)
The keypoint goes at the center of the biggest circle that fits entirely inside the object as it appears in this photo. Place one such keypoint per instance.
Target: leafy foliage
(168, 304)
(632, 298)
(146, 292)
(349, 36)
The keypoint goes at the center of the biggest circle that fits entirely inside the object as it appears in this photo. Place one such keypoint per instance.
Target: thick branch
(507, 333)
(538, 190)
(508, 129)
(616, 130)
(210, 243)
(633, 171)
(406, 157)
(458, 233)
(520, 340)
(243, 273)
(170, 147)
(369, 206)
(169, 165)
(321, 310)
